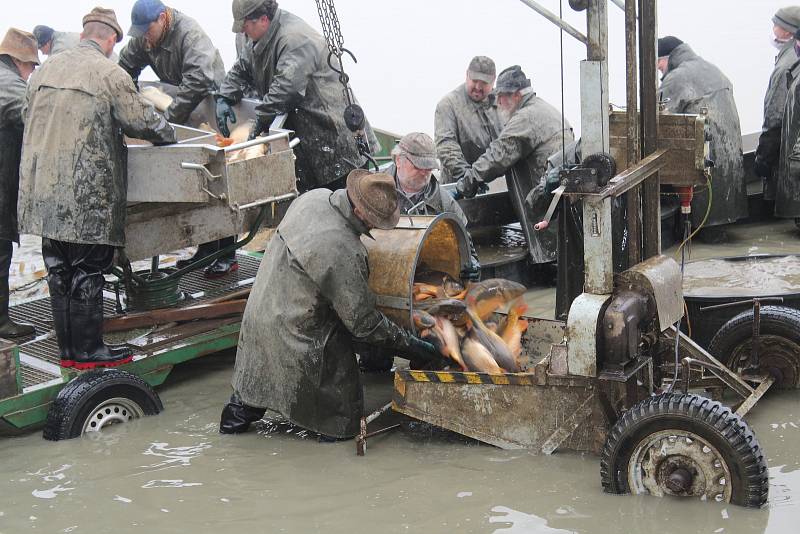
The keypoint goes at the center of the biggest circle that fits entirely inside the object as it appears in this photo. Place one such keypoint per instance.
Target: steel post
(651, 207)
(634, 197)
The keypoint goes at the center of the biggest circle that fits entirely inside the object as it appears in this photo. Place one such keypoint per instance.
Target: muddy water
(174, 473)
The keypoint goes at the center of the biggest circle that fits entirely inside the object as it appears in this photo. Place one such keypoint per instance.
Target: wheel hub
(777, 357)
(679, 463)
(110, 412)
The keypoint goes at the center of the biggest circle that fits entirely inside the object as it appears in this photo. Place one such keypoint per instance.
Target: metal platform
(39, 356)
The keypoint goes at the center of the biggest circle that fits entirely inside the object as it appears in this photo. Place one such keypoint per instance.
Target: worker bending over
(309, 304)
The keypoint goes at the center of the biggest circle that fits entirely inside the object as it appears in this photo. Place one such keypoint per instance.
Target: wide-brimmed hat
(420, 149)
(375, 196)
(104, 16)
(20, 45)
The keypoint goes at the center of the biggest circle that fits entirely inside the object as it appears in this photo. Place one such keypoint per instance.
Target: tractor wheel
(779, 353)
(685, 446)
(97, 399)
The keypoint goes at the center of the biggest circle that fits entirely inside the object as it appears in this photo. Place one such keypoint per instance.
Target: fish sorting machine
(178, 195)
(613, 378)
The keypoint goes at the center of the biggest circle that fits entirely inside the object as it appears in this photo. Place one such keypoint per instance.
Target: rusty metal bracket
(361, 438)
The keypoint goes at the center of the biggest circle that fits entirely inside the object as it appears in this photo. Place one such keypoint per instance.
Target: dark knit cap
(43, 34)
(667, 44)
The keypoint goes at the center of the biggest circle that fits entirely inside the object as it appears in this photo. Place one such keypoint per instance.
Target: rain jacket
(787, 196)
(186, 58)
(463, 131)
(12, 97)
(532, 134)
(769, 142)
(73, 175)
(288, 67)
(691, 85)
(435, 201)
(309, 303)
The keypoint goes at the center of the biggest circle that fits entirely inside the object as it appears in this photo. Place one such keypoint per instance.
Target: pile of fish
(455, 318)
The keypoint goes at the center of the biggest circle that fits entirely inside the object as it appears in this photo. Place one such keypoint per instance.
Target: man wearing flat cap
(533, 131)
(785, 23)
(18, 59)
(286, 61)
(310, 303)
(787, 182)
(466, 120)
(690, 84)
(73, 187)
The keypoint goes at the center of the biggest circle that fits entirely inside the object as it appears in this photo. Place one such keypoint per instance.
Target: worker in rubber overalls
(533, 131)
(182, 56)
(785, 23)
(286, 62)
(73, 187)
(466, 120)
(691, 84)
(18, 59)
(309, 305)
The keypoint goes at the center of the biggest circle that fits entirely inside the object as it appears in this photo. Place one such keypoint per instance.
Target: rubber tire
(778, 321)
(74, 403)
(709, 419)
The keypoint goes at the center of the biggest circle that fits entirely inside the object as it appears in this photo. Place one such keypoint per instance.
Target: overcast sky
(412, 52)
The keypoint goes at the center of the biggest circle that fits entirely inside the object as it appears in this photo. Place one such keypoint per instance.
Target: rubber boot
(203, 250)
(86, 327)
(8, 328)
(61, 324)
(237, 416)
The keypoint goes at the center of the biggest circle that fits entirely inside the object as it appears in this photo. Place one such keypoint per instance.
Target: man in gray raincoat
(691, 84)
(178, 50)
(466, 120)
(52, 42)
(287, 64)
(533, 131)
(785, 23)
(73, 183)
(310, 302)
(18, 58)
(787, 196)
(183, 56)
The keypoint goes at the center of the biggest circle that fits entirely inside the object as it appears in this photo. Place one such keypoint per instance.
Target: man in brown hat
(310, 303)
(72, 179)
(18, 58)
(785, 23)
(286, 61)
(466, 120)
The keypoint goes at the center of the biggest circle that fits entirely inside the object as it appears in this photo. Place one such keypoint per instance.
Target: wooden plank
(155, 317)
(759, 392)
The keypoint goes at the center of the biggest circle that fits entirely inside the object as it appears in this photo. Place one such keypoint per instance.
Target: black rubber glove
(762, 168)
(419, 350)
(470, 185)
(260, 125)
(471, 273)
(224, 113)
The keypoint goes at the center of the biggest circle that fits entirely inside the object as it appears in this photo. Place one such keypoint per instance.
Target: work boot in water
(8, 328)
(204, 250)
(61, 323)
(237, 416)
(86, 327)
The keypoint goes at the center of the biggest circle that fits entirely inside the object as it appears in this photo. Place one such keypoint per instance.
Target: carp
(513, 328)
(487, 296)
(451, 287)
(478, 358)
(493, 343)
(451, 308)
(446, 333)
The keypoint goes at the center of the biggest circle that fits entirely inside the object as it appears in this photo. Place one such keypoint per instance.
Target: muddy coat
(690, 85)
(787, 196)
(463, 131)
(436, 200)
(186, 58)
(12, 96)
(769, 142)
(532, 134)
(309, 303)
(73, 181)
(288, 68)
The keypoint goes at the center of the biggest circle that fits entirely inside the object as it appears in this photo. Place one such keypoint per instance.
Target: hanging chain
(354, 116)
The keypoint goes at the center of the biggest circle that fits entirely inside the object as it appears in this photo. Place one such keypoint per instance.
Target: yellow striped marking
(473, 378)
(446, 378)
(500, 380)
(420, 376)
